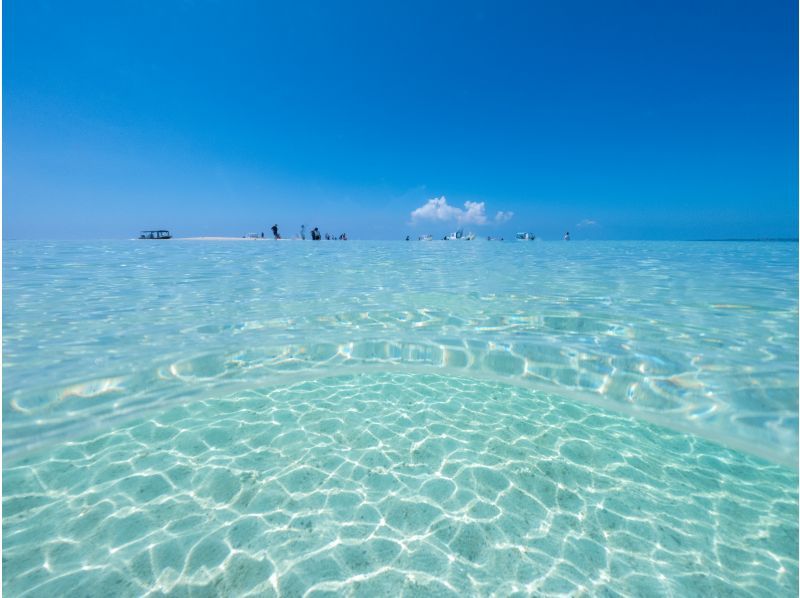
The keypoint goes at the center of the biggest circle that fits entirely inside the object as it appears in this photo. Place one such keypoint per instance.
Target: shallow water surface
(397, 484)
(192, 418)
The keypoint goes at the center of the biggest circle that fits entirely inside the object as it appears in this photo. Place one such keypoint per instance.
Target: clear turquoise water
(218, 418)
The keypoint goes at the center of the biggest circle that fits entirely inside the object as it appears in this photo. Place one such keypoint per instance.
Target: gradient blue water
(388, 418)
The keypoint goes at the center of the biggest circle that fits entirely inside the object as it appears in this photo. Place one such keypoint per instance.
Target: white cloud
(475, 213)
(438, 210)
(587, 222)
(502, 217)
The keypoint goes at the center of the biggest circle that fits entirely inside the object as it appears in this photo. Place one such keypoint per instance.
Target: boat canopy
(155, 234)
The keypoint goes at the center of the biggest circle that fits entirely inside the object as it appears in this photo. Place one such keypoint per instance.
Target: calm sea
(400, 418)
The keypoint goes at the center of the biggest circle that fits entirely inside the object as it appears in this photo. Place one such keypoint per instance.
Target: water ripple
(396, 484)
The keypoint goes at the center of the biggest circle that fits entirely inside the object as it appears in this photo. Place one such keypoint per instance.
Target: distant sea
(400, 418)
(756, 240)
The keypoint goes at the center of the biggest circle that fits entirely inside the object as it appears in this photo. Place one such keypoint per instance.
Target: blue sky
(640, 120)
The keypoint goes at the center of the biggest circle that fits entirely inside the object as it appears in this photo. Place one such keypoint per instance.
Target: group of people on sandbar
(315, 234)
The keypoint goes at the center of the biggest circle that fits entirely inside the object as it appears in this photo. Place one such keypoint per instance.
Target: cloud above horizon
(587, 222)
(437, 209)
(502, 217)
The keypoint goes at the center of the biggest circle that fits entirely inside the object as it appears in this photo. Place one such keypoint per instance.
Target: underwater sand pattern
(390, 484)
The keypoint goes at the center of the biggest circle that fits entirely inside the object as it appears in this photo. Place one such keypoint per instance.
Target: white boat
(155, 234)
(460, 236)
(525, 236)
(426, 238)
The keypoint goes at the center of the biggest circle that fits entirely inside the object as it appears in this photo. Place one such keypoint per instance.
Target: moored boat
(155, 234)
(460, 236)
